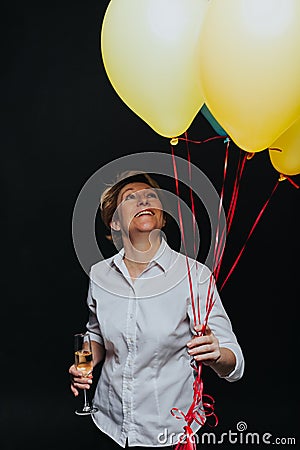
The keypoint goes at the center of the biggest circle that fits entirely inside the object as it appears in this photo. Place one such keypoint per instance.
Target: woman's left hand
(204, 348)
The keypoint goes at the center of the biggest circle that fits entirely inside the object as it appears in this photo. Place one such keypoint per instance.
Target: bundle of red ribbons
(202, 405)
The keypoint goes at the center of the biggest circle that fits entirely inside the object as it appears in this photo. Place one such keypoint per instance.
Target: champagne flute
(84, 363)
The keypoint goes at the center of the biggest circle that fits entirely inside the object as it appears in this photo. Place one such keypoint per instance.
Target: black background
(62, 121)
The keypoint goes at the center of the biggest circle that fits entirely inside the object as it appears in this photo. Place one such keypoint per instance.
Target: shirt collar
(162, 257)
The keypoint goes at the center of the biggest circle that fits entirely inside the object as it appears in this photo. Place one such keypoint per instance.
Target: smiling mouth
(145, 212)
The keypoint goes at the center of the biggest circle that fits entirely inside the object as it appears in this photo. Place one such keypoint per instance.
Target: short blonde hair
(109, 197)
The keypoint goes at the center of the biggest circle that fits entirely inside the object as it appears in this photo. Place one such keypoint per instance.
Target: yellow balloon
(250, 70)
(150, 51)
(287, 161)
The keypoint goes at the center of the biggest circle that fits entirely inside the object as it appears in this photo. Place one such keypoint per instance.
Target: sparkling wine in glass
(84, 363)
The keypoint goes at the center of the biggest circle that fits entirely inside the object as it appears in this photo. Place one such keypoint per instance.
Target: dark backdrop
(62, 121)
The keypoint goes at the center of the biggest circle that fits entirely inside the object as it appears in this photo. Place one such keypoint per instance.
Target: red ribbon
(249, 235)
(291, 181)
(187, 441)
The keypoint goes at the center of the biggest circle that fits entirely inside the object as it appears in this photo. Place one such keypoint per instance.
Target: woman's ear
(115, 225)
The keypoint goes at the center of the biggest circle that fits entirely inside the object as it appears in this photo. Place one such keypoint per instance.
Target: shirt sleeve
(220, 325)
(92, 325)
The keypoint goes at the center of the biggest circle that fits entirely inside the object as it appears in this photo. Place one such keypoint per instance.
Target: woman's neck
(138, 253)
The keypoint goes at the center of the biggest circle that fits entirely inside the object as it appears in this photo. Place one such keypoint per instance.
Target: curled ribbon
(201, 408)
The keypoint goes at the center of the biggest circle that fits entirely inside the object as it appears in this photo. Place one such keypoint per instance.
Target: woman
(141, 324)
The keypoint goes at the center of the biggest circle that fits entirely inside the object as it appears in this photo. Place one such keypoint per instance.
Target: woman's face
(139, 209)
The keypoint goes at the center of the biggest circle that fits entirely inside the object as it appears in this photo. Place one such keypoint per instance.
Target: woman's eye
(152, 195)
(130, 197)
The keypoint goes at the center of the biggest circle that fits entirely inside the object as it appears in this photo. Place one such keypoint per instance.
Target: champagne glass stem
(86, 402)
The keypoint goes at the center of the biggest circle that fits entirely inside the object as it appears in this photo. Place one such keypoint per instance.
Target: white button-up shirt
(144, 326)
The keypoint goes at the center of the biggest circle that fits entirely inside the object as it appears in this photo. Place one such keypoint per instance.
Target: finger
(77, 373)
(74, 390)
(200, 350)
(79, 384)
(197, 341)
(82, 380)
(207, 358)
(74, 372)
(208, 330)
(198, 328)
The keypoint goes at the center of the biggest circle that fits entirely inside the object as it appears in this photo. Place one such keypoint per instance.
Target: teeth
(150, 213)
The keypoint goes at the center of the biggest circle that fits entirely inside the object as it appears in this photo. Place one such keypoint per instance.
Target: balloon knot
(282, 177)
(250, 155)
(285, 177)
(227, 140)
(174, 141)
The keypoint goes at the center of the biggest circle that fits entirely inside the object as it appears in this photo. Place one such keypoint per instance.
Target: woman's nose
(143, 200)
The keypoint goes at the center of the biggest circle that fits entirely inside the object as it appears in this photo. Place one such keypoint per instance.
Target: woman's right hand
(78, 381)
